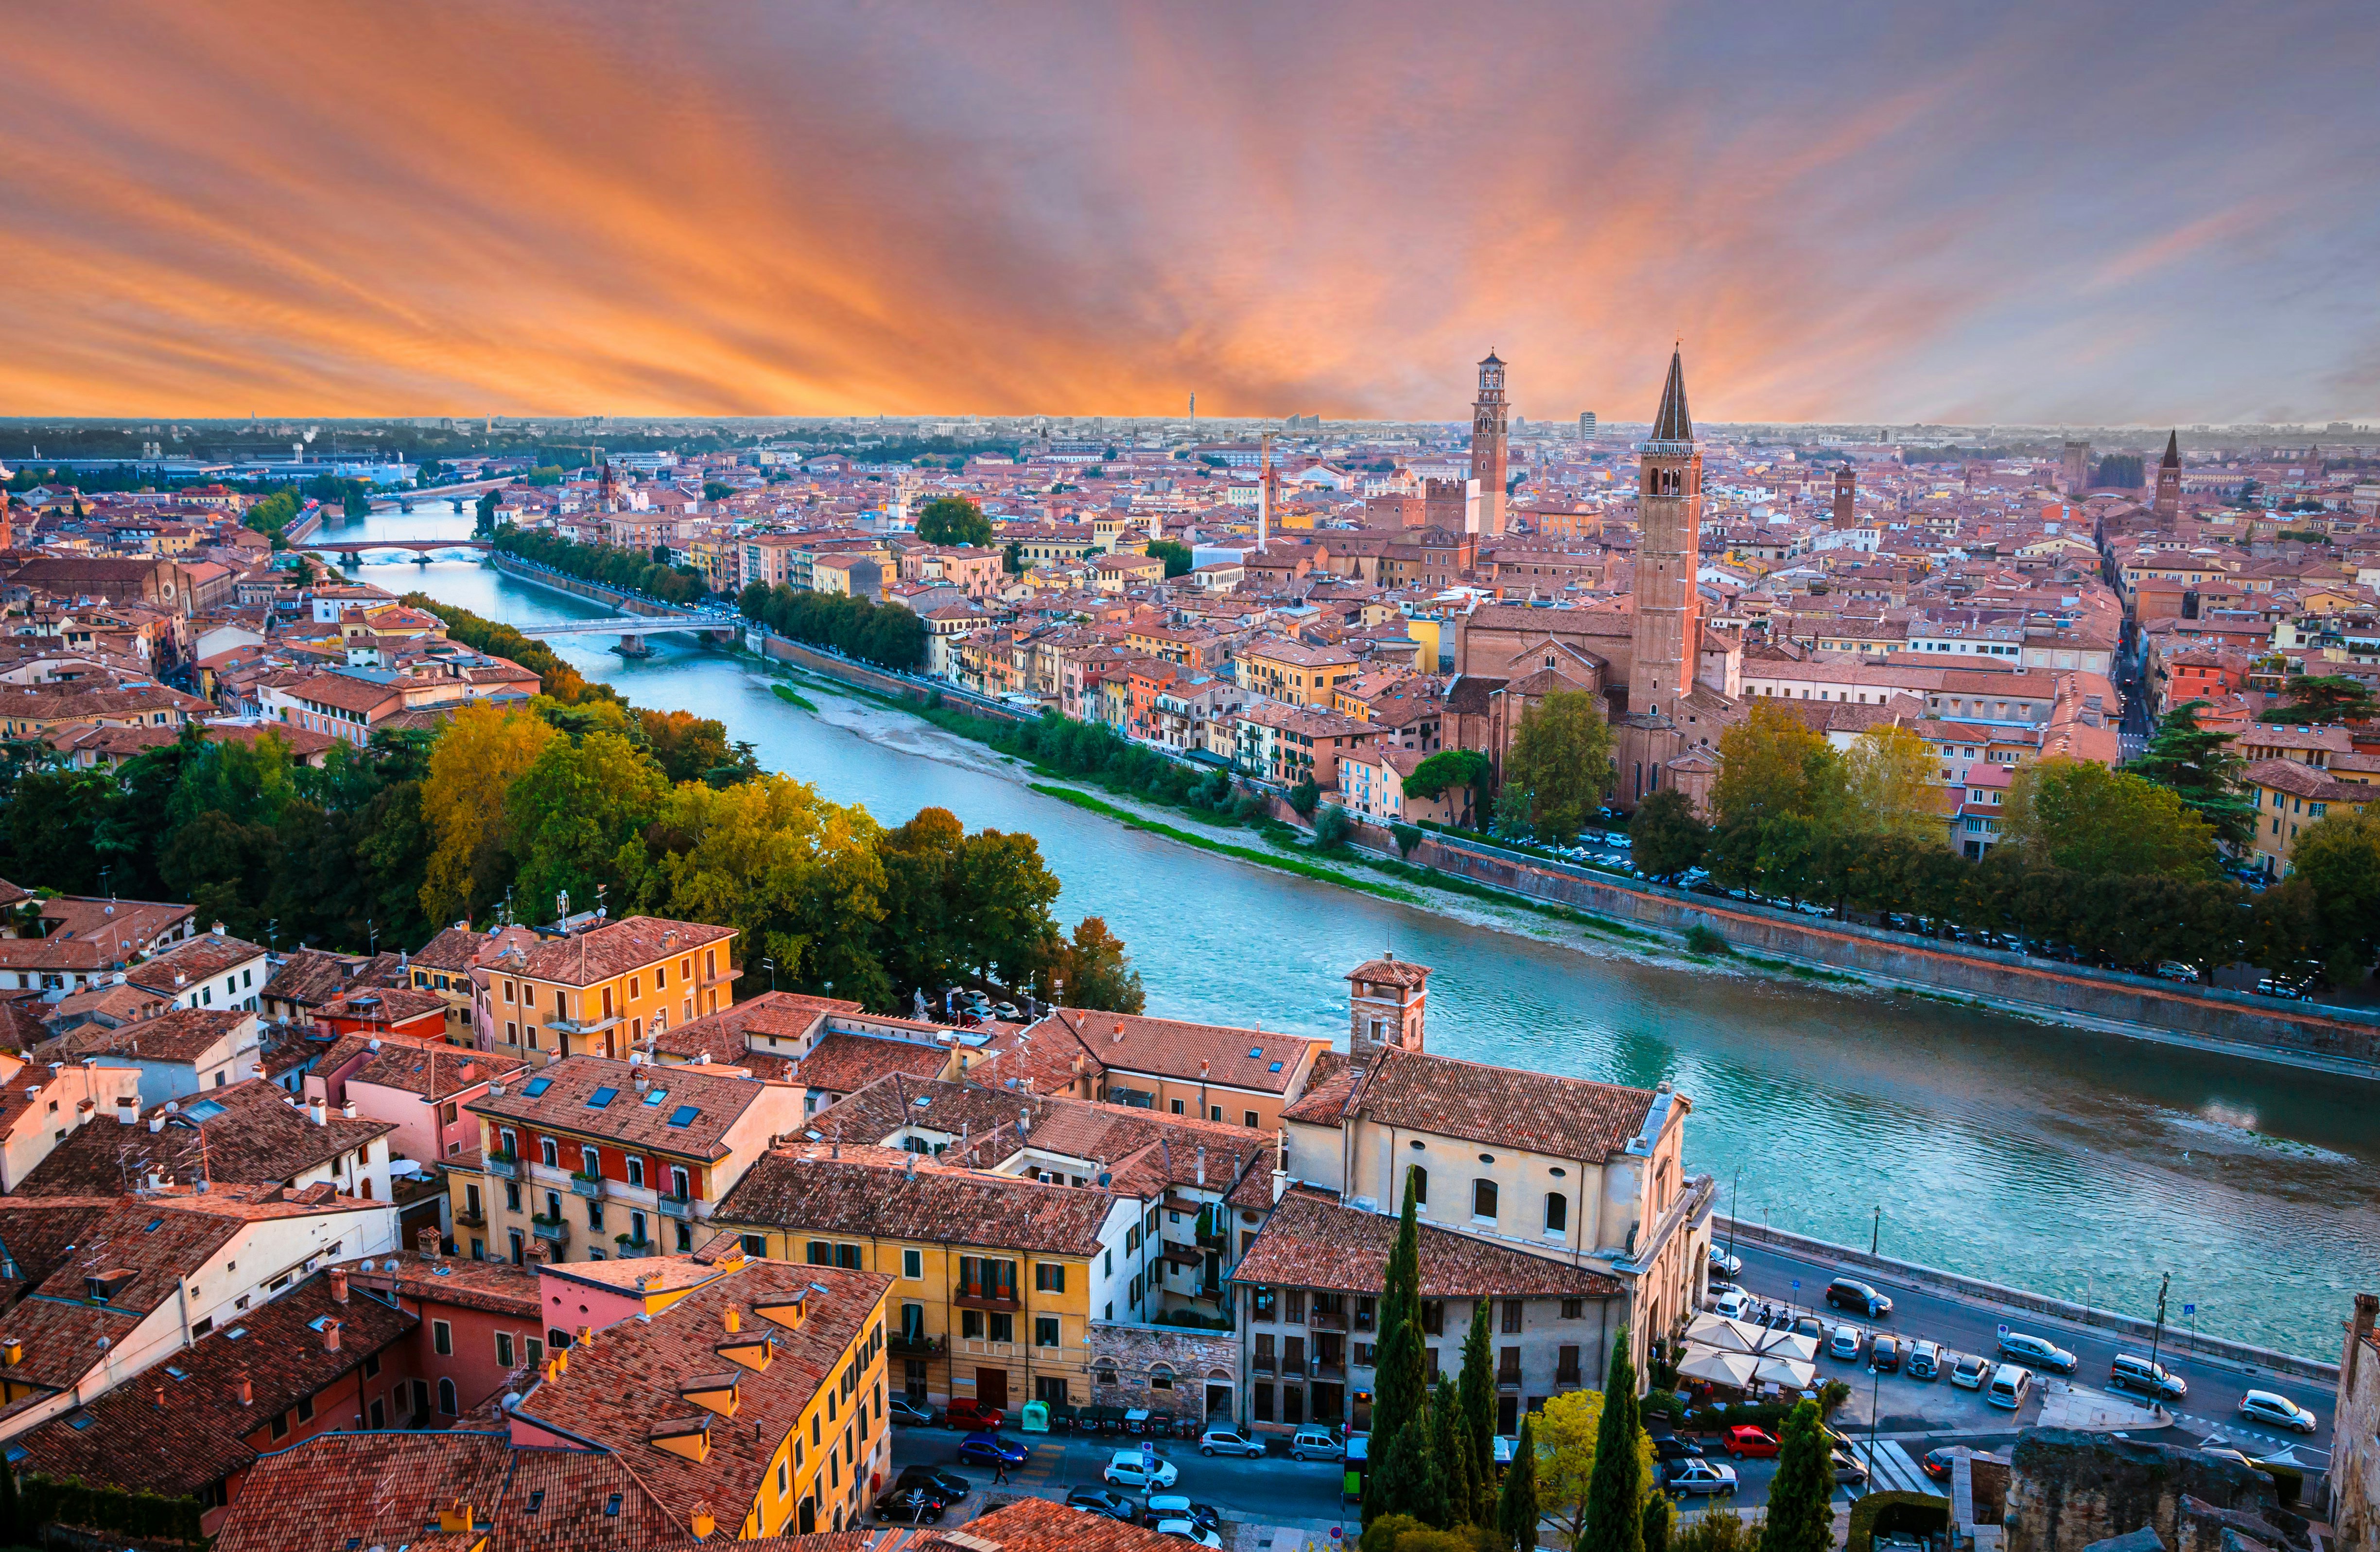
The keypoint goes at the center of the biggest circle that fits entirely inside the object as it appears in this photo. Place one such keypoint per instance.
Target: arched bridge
(628, 626)
(421, 548)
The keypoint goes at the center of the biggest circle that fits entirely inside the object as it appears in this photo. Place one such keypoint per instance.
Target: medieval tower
(2168, 485)
(1487, 455)
(1670, 521)
(1846, 497)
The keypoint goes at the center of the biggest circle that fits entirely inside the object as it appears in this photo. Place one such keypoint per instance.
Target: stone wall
(2355, 1461)
(1138, 1354)
(2068, 1489)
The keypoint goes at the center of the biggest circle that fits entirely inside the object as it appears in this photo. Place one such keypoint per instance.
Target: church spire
(2172, 451)
(1673, 424)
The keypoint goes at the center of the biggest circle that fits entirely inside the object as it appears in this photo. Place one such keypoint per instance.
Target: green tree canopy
(953, 520)
(1665, 838)
(1615, 1491)
(1174, 553)
(2082, 816)
(2330, 697)
(1400, 1372)
(1558, 766)
(2335, 874)
(1448, 768)
(2199, 767)
(1801, 1499)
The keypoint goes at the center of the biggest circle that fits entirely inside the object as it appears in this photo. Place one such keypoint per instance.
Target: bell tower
(1669, 550)
(2168, 485)
(1386, 997)
(1488, 452)
(1846, 497)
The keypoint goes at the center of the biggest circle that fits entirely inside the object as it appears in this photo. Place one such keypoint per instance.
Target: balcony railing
(469, 1218)
(1508, 1377)
(675, 1206)
(586, 1185)
(504, 1166)
(630, 1249)
(986, 1296)
(921, 1345)
(556, 1229)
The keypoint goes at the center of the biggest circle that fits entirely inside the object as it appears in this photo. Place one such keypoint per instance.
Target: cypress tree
(1801, 1499)
(1400, 1382)
(1660, 1515)
(1615, 1492)
(1453, 1456)
(1408, 1477)
(1477, 1430)
(1516, 1506)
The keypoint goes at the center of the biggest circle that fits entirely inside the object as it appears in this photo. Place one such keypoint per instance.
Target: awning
(1710, 1366)
(1742, 1336)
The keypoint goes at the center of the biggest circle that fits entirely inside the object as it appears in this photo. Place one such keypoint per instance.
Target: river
(2078, 1164)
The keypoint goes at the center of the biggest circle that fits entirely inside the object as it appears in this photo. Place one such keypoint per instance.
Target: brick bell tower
(2168, 485)
(1488, 451)
(1846, 497)
(1386, 997)
(1669, 550)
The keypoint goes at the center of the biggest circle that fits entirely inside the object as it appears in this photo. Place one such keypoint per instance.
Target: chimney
(586, 1338)
(242, 1387)
(338, 1285)
(733, 1319)
(219, 929)
(331, 1336)
(127, 1110)
(701, 1522)
(1202, 1163)
(347, 1111)
(318, 1110)
(157, 1393)
(427, 1242)
(455, 1517)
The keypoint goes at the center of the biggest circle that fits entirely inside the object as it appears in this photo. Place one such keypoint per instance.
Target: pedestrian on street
(999, 1471)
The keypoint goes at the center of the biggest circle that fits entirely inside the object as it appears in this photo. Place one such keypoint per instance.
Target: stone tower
(2075, 474)
(2168, 485)
(1846, 497)
(1487, 455)
(1385, 1000)
(1669, 521)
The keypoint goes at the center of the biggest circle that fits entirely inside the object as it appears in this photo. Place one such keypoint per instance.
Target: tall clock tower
(1670, 521)
(1487, 458)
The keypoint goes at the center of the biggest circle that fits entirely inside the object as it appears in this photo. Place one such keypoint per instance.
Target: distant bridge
(627, 625)
(419, 549)
(402, 500)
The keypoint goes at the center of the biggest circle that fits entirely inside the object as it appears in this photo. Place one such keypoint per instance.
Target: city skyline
(544, 209)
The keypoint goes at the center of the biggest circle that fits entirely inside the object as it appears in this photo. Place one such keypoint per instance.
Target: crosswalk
(1891, 1469)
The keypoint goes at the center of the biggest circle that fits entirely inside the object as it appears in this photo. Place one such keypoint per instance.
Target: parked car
(1924, 1361)
(1714, 1477)
(1223, 1441)
(910, 1505)
(1810, 1325)
(2036, 1350)
(2012, 1383)
(900, 1409)
(1099, 1500)
(1129, 1468)
(1846, 1466)
(1851, 1294)
(2134, 1372)
(992, 1450)
(1846, 1342)
(1724, 1263)
(949, 1486)
(1970, 1372)
(1884, 1354)
(2264, 1406)
(1735, 1303)
(1937, 1463)
(1316, 1443)
(1190, 1530)
(1174, 1505)
(1745, 1439)
(1668, 1448)
(964, 1412)
(2175, 970)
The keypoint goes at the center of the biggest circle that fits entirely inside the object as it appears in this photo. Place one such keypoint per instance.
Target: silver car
(2264, 1406)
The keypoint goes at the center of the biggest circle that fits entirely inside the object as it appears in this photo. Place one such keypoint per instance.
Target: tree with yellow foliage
(472, 766)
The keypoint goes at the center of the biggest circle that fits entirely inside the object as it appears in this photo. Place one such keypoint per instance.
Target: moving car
(1885, 1354)
(1851, 1294)
(1937, 1463)
(2175, 970)
(900, 1409)
(992, 1450)
(1845, 1344)
(967, 1412)
(1847, 1468)
(1724, 1263)
(2134, 1372)
(1129, 1468)
(1099, 1500)
(1223, 1441)
(910, 1505)
(1190, 1530)
(1970, 1371)
(1744, 1439)
(1714, 1477)
(1924, 1361)
(2264, 1406)
(1316, 1443)
(949, 1486)
(2036, 1350)
(1174, 1506)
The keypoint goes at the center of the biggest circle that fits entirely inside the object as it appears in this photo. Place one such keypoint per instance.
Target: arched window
(1420, 1179)
(1483, 1198)
(1105, 1374)
(1557, 1213)
(446, 1406)
(1160, 1378)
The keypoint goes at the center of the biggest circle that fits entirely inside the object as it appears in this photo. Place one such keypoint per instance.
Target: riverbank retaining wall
(578, 586)
(2000, 1296)
(2342, 1040)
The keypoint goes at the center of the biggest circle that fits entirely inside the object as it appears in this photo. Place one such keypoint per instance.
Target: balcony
(504, 1166)
(468, 1219)
(583, 1027)
(986, 1296)
(916, 1345)
(554, 1230)
(628, 1250)
(1568, 1374)
(586, 1185)
(1322, 1320)
(1507, 1378)
(675, 1206)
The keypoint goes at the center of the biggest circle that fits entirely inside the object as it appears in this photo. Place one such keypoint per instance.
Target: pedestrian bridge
(627, 625)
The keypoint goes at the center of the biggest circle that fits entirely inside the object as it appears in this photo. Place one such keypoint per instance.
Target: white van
(2011, 1385)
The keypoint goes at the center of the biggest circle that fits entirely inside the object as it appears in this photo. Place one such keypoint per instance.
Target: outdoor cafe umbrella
(1736, 1370)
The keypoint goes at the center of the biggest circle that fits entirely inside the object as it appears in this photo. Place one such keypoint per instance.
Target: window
(448, 1404)
(371, 1363)
(550, 1154)
(913, 1265)
(1420, 1179)
(1045, 1331)
(442, 1336)
(1557, 1212)
(591, 1162)
(504, 1348)
(1433, 1316)
(1483, 1198)
(1049, 1276)
(533, 1348)
(1572, 1308)
(306, 1410)
(635, 1172)
(281, 1426)
(1003, 1325)
(1248, 1118)
(1511, 1316)
(821, 1253)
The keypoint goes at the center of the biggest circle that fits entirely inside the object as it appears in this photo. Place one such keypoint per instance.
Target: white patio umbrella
(1712, 1366)
(1786, 1372)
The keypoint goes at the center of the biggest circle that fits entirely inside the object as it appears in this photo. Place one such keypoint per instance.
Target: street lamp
(773, 973)
(2157, 1339)
(1735, 1201)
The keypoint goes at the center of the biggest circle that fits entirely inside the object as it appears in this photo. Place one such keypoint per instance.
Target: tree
(1399, 1373)
(1174, 553)
(716, 490)
(1453, 1451)
(1517, 1505)
(1096, 972)
(1560, 760)
(953, 520)
(483, 751)
(1012, 558)
(1774, 764)
(1566, 1431)
(1890, 773)
(1466, 769)
(1660, 1516)
(1407, 1478)
(687, 746)
(2088, 820)
(568, 817)
(1801, 1499)
(1666, 837)
(1718, 1529)
(484, 513)
(1477, 1430)
(2200, 768)
(1332, 827)
(2331, 698)
(1615, 1489)
(2335, 864)
(1305, 796)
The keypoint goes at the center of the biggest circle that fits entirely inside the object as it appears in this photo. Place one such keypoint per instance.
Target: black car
(945, 1487)
(910, 1505)
(1853, 1294)
(1669, 1448)
(1099, 1500)
(1885, 1355)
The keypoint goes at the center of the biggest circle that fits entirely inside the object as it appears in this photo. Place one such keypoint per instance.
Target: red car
(1744, 1439)
(970, 1415)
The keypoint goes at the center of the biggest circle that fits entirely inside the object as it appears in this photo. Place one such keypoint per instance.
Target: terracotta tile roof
(182, 1034)
(310, 977)
(1042, 1525)
(565, 1089)
(616, 1392)
(431, 1069)
(1388, 971)
(180, 1425)
(36, 1234)
(630, 943)
(498, 1287)
(788, 1015)
(454, 948)
(887, 1193)
(1263, 1060)
(1569, 1118)
(255, 1137)
(195, 959)
(1311, 1241)
(844, 1063)
(385, 1006)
